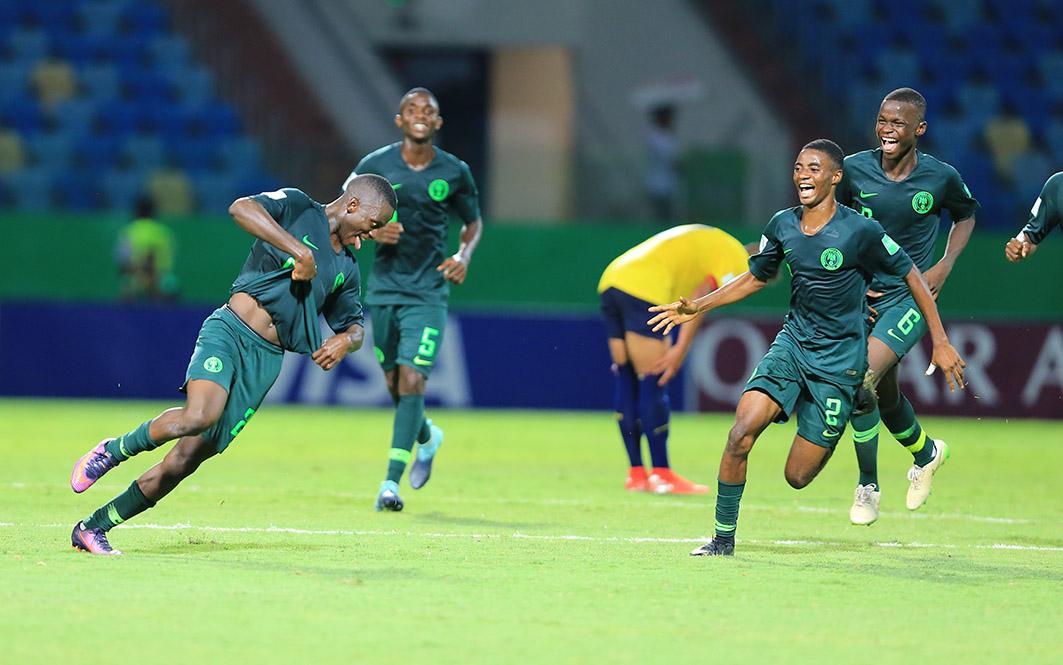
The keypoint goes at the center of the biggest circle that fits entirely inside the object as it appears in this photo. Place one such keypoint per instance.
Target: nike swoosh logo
(306, 241)
(787, 251)
(829, 434)
(396, 187)
(894, 335)
(867, 195)
(417, 360)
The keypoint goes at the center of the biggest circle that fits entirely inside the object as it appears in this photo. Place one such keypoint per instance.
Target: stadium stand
(107, 89)
(980, 63)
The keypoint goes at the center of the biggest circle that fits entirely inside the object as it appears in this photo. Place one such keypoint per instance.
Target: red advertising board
(1013, 369)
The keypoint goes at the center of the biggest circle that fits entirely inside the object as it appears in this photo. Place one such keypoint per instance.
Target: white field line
(657, 502)
(543, 537)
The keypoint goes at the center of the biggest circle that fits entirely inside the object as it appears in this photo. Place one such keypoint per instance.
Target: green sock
(132, 443)
(902, 424)
(728, 496)
(865, 439)
(409, 421)
(425, 433)
(124, 506)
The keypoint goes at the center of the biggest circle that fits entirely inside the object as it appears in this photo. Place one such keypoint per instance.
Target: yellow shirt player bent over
(689, 260)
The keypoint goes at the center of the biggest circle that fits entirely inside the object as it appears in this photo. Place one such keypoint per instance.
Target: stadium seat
(143, 152)
(121, 188)
(53, 150)
(101, 82)
(30, 188)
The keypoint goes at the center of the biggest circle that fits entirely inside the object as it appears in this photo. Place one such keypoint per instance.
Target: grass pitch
(524, 548)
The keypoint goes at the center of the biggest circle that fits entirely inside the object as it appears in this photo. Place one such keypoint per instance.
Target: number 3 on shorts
(426, 351)
(834, 407)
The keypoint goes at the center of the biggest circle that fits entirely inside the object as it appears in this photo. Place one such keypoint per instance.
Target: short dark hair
(908, 96)
(374, 188)
(829, 148)
(417, 91)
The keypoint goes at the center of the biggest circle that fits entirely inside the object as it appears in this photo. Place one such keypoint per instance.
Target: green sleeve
(343, 308)
(958, 199)
(466, 201)
(1047, 211)
(283, 205)
(764, 265)
(881, 254)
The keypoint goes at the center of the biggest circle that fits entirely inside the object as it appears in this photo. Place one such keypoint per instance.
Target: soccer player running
(818, 359)
(905, 190)
(1046, 214)
(299, 267)
(408, 287)
(686, 260)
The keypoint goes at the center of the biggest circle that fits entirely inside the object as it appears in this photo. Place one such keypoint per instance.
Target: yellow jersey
(675, 262)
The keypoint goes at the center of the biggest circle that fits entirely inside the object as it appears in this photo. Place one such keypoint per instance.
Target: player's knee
(182, 461)
(798, 478)
(411, 382)
(740, 440)
(196, 421)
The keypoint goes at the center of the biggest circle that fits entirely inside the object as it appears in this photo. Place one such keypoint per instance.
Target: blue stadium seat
(30, 189)
(143, 152)
(1054, 139)
(215, 190)
(27, 45)
(22, 113)
(192, 85)
(76, 115)
(98, 152)
(169, 50)
(1051, 69)
(146, 18)
(216, 121)
(14, 80)
(101, 82)
(121, 188)
(1031, 171)
(52, 150)
(192, 154)
(240, 153)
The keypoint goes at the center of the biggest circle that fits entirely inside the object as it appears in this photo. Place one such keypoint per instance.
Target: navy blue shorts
(624, 312)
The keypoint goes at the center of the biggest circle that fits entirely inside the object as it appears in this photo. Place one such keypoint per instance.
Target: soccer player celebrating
(905, 190)
(686, 260)
(818, 359)
(299, 267)
(408, 288)
(1046, 214)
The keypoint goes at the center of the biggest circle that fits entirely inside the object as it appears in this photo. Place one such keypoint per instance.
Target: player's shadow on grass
(437, 517)
(205, 546)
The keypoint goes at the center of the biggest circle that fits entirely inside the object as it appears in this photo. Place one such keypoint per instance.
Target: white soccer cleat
(865, 505)
(921, 477)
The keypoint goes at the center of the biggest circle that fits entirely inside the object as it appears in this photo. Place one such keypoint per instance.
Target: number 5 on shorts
(426, 351)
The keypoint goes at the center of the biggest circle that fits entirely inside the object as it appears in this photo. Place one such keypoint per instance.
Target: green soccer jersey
(405, 274)
(909, 210)
(295, 305)
(1047, 211)
(826, 327)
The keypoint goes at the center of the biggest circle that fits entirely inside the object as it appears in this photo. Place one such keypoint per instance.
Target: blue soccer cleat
(93, 541)
(421, 470)
(91, 467)
(388, 498)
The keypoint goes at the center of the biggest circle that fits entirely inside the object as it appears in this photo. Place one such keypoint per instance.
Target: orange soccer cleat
(666, 481)
(636, 480)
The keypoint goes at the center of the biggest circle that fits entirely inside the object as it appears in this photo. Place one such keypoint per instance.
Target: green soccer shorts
(822, 408)
(900, 325)
(236, 358)
(408, 335)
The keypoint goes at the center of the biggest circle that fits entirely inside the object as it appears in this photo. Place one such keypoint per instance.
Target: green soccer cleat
(421, 470)
(921, 477)
(864, 511)
(388, 498)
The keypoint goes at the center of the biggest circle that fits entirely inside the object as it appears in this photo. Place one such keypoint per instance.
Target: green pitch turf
(524, 548)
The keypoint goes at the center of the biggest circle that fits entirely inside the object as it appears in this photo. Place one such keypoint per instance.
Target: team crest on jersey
(923, 202)
(438, 189)
(213, 364)
(831, 258)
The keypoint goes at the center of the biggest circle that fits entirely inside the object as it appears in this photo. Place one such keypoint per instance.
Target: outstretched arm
(456, 267)
(253, 218)
(673, 358)
(684, 309)
(944, 356)
(334, 349)
(959, 234)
